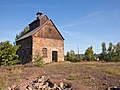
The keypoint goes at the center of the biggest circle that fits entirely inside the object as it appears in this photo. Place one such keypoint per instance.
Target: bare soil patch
(82, 75)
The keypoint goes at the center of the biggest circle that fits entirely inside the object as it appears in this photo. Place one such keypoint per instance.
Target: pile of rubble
(44, 83)
(113, 88)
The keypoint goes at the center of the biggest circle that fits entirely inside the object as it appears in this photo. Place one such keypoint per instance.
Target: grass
(85, 73)
(72, 77)
(16, 70)
(3, 83)
(87, 77)
(113, 70)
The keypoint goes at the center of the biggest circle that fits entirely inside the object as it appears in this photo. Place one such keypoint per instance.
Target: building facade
(42, 38)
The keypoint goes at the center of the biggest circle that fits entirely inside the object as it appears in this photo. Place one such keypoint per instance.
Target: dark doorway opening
(54, 56)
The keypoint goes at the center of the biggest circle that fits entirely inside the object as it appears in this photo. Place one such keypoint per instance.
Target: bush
(38, 60)
(8, 54)
(89, 54)
(72, 57)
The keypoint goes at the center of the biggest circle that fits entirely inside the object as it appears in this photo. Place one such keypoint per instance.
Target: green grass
(72, 77)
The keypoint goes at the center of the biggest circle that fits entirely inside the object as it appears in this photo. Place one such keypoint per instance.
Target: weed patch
(113, 70)
(72, 77)
(3, 83)
(16, 70)
(38, 60)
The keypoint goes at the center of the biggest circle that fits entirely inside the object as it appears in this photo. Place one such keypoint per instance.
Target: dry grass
(80, 74)
(112, 70)
(3, 83)
(16, 70)
(72, 77)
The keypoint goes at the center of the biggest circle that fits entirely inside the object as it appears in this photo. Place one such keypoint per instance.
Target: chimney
(39, 14)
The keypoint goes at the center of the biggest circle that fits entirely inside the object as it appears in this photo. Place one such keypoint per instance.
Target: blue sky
(82, 22)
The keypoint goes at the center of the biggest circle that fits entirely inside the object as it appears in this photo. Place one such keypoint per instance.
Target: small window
(44, 52)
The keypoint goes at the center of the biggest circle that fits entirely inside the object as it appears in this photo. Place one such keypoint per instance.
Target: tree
(116, 57)
(110, 52)
(103, 55)
(104, 48)
(22, 33)
(8, 54)
(71, 56)
(89, 54)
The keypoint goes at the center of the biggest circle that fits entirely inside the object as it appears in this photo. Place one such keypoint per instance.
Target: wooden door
(54, 56)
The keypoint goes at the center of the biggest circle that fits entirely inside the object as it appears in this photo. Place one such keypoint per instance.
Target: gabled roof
(32, 32)
(36, 29)
(57, 29)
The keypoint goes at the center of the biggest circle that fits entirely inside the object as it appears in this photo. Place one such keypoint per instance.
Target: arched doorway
(44, 50)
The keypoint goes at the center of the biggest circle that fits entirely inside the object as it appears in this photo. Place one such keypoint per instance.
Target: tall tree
(89, 54)
(103, 55)
(111, 54)
(117, 52)
(109, 51)
(104, 50)
(22, 33)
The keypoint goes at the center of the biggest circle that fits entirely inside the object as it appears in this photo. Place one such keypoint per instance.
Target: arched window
(44, 50)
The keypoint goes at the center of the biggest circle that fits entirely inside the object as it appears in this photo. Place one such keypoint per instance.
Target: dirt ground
(82, 75)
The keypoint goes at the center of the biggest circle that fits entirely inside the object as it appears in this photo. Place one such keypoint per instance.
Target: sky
(83, 23)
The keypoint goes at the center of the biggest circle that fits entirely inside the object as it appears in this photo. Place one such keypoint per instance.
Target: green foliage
(103, 55)
(111, 54)
(116, 53)
(81, 57)
(38, 60)
(104, 48)
(8, 54)
(22, 33)
(72, 77)
(65, 58)
(89, 54)
(71, 56)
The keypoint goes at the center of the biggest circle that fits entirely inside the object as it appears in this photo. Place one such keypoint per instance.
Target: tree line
(8, 54)
(23, 32)
(110, 54)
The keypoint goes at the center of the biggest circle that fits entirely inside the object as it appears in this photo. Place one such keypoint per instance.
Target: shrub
(72, 57)
(38, 60)
(89, 54)
(8, 54)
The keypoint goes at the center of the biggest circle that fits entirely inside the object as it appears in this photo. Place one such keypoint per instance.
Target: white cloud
(88, 19)
(94, 14)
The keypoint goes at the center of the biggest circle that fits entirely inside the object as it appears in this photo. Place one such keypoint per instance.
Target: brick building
(42, 38)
